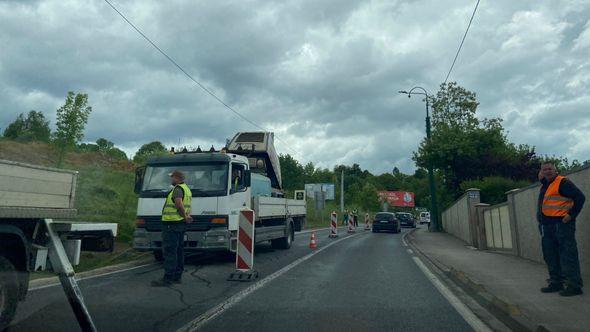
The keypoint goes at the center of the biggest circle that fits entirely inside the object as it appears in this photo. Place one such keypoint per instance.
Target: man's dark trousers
(173, 249)
(561, 253)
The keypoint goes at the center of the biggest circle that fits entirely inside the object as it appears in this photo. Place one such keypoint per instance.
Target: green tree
(32, 128)
(87, 147)
(494, 188)
(465, 148)
(369, 201)
(104, 145)
(71, 120)
(149, 149)
(116, 153)
(292, 173)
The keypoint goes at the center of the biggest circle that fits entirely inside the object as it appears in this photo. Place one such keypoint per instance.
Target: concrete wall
(524, 211)
(459, 218)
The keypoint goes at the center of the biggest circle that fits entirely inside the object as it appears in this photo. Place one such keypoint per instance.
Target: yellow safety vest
(169, 212)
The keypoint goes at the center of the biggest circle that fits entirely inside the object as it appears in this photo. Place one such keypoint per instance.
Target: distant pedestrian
(345, 217)
(560, 202)
(355, 215)
(175, 214)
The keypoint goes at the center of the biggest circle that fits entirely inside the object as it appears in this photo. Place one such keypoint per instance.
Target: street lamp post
(435, 226)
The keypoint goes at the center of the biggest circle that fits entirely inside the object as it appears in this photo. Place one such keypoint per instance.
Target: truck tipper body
(218, 197)
(36, 227)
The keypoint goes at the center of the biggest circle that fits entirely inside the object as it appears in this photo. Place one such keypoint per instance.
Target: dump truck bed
(274, 207)
(31, 191)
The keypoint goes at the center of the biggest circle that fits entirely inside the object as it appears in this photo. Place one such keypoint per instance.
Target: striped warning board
(245, 254)
(245, 249)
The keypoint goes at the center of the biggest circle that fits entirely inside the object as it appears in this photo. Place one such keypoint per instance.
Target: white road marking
(410, 251)
(404, 240)
(233, 300)
(461, 308)
(92, 277)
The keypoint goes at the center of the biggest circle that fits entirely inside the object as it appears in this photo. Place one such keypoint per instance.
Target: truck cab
(220, 184)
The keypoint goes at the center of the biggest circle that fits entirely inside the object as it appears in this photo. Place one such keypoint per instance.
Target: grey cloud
(323, 74)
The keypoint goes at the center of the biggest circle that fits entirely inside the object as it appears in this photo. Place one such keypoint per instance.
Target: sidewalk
(505, 284)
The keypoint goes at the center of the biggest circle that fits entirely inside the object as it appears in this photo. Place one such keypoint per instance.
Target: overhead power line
(462, 41)
(199, 84)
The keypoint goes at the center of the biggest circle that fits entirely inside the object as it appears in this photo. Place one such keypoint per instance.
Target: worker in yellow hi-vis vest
(176, 213)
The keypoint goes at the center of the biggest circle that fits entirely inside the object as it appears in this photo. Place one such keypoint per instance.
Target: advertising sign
(328, 188)
(397, 198)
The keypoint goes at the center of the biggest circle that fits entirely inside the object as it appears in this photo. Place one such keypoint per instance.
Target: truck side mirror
(247, 178)
(139, 174)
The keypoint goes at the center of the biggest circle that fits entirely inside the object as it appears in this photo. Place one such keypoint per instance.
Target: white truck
(245, 174)
(31, 197)
(424, 218)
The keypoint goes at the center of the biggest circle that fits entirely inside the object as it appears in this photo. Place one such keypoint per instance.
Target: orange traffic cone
(312, 243)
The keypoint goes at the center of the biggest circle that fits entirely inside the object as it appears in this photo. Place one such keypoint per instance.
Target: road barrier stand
(312, 243)
(245, 250)
(333, 225)
(350, 226)
(367, 227)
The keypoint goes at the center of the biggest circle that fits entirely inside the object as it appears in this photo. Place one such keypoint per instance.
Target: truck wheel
(8, 292)
(284, 242)
(158, 255)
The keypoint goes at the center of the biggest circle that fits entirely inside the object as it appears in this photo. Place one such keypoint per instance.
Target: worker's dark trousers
(173, 249)
(560, 252)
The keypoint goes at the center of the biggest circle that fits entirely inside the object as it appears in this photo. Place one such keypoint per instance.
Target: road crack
(195, 275)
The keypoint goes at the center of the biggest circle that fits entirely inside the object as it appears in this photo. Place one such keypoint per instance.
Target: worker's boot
(571, 291)
(552, 288)
(161, 283)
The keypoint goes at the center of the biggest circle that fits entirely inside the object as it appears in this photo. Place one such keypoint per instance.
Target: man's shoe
(161, 283)
(552, 288)
(571, 291)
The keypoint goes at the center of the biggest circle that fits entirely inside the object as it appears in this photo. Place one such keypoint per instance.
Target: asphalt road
(367, 282)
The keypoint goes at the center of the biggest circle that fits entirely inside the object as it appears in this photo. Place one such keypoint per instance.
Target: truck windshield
(203, 179)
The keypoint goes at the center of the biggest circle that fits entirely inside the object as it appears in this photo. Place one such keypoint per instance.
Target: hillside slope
(105, 185)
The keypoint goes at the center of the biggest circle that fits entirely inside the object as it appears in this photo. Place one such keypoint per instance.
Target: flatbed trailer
(32, 238)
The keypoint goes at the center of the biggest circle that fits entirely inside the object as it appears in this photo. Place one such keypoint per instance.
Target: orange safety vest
(554, 204)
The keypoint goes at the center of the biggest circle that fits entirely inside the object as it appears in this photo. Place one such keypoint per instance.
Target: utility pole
(342, 192)
(434, 225)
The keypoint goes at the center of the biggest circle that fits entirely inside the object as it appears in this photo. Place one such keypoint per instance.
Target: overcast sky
(322, 75)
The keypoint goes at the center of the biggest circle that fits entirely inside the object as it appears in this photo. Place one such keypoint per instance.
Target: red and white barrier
(351, 225)
(367, 227)
(245, 248)
(333, 225)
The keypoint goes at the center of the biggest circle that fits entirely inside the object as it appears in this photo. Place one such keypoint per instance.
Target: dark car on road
(386, 221)
(406, 219)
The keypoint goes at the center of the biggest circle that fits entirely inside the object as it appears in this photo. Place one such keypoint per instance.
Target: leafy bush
(494, 188)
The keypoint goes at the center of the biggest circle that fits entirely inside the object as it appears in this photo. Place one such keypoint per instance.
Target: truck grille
(200, 223)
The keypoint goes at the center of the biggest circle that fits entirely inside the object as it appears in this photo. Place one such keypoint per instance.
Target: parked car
(424, 218)
(386, 221)
(406, 219)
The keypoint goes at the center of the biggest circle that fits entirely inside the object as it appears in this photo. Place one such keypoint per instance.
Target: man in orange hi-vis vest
(560, 202)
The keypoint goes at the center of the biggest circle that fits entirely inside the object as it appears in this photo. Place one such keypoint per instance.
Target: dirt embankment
(44, 154)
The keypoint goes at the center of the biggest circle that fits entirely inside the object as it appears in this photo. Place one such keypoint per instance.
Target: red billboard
(397, 198)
